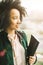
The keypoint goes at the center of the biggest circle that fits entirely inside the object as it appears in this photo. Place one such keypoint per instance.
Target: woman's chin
(17, 27)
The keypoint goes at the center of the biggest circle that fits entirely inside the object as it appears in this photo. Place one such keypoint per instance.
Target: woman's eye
(14, 17)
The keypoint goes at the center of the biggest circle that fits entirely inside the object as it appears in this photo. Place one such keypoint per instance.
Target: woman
(13, 43)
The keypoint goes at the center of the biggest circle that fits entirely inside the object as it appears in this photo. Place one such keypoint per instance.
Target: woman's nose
(19, 22)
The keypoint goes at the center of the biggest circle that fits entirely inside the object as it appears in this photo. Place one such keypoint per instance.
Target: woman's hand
(32, 59)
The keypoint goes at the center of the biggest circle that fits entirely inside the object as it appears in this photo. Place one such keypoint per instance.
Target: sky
(34, 8)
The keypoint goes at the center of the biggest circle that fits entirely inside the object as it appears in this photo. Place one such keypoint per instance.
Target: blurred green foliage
(39, 63)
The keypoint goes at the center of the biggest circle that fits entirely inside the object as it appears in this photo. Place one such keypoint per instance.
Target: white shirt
(18, 51)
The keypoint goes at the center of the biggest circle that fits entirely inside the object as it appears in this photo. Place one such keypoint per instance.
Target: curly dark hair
(5, 7)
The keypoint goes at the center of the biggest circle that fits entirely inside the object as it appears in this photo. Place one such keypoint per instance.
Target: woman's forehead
(14, 12)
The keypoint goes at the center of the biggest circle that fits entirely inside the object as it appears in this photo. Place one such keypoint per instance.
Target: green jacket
(6, 56)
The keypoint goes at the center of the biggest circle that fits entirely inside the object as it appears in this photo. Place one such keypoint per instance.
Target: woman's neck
(10, 31)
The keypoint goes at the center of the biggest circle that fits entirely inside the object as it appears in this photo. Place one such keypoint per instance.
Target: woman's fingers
(32, 59)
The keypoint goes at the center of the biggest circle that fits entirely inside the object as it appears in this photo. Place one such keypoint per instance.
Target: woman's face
(14, 19)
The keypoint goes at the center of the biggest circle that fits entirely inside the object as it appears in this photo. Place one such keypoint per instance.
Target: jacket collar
(3, 33)
(19, 34)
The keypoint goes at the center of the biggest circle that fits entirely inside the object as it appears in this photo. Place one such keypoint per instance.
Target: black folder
(31, 49)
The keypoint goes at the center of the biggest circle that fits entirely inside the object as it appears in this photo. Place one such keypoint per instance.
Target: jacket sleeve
(25, 38)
